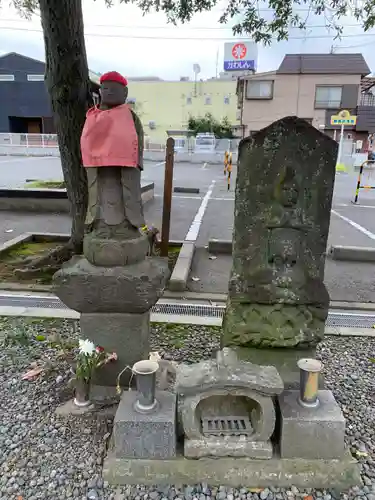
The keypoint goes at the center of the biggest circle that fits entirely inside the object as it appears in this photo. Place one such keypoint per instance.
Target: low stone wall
(49, 200)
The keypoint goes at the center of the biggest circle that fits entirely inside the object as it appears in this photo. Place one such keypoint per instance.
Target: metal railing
(367, 100)
(36, 141)
(29, 140)
(47, 144)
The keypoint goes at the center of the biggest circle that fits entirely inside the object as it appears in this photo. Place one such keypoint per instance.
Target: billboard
(240, 56)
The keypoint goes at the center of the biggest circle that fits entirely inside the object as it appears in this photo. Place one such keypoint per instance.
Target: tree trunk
(67, 81)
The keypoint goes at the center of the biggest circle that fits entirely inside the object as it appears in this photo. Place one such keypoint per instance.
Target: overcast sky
(122, 39)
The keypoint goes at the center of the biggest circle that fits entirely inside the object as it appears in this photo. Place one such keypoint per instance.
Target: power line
(208, 28)
(150, 37)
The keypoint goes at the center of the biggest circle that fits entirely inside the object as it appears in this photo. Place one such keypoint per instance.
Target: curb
(180, 274)
(49, 200)
(220, 247)
(361, 254)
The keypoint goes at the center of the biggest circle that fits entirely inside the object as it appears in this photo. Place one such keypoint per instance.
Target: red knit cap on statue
(113, 76)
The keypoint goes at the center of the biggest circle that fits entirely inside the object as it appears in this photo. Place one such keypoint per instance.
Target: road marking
(355, 225)
(192, 234)
(354, 205)
(204, 166)
(222, 199)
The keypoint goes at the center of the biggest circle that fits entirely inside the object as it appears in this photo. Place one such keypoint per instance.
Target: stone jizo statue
(112, 153)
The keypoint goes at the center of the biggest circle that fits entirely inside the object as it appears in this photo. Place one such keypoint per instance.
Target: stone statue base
(115, 304)
(114, 252)
(235, 472)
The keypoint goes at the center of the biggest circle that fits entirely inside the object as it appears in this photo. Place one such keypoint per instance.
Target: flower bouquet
(89, 358)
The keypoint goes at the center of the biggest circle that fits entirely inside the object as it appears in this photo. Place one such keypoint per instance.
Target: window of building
(226, 100)
(35, 78)
(6, 78)
(207, 101)
(259, 89)
(188, 100)
(328, 97)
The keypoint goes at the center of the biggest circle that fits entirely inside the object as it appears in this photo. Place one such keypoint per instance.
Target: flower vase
(82, 393)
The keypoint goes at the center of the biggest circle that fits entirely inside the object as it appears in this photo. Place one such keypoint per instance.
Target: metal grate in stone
(227, 426)
(344, 320)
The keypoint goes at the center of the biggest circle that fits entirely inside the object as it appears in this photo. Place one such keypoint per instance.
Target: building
(167, 105)
(314, 87)
(24, 101)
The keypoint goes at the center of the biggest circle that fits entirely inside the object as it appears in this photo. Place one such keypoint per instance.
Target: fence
(47, 145)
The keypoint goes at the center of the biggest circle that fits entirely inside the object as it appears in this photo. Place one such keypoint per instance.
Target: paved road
(212, 212)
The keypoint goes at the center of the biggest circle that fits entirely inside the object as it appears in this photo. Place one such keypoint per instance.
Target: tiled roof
(343, 64)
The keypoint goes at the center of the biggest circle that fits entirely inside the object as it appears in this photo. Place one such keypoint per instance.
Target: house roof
(94, 77)
(329, 64)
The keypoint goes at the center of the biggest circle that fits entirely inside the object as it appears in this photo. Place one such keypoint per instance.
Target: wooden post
(167, 200)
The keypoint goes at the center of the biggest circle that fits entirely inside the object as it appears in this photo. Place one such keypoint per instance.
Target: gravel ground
(45, 457)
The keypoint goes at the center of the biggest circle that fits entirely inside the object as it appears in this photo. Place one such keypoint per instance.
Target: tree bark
(67, 81)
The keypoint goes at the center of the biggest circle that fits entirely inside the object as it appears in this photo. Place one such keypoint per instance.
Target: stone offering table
(227, 407)
(228, 414)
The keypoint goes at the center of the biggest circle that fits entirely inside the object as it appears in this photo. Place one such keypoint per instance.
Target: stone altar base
(316, 433)
(235, 472)
(145, 435)
(283, 359)
(134, 288)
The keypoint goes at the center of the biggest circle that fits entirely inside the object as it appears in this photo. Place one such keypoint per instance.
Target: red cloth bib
(109, 138)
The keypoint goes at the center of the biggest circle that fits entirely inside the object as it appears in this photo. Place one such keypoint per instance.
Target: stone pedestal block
(121, 289)
(125, 334)
(145, 435)
(311, 433)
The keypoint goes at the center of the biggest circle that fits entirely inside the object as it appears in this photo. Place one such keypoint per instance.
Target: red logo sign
(239, 51)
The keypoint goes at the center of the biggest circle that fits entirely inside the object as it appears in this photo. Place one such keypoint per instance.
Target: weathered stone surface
(272, 325)
(235, 472)
(227, 371)
(229, 446)
(109, 252)
(312, 433)
(128, 335)
(284, 192)
(226, 407)
(151, 435)
(128, 289)
(283, 359)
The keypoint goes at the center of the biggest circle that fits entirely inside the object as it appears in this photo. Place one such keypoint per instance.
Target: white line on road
(196, 224)
(354, 205)
(204, 166)
(355, 225)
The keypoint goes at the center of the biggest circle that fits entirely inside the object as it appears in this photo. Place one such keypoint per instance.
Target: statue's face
(113, 94)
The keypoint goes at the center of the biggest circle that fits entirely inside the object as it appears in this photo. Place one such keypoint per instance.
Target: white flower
(86, 347)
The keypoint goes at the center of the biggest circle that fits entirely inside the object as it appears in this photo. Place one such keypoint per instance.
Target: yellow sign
(343, 118)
